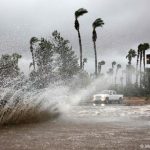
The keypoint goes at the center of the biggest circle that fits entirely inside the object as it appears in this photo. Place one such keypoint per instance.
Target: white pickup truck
(108, 97)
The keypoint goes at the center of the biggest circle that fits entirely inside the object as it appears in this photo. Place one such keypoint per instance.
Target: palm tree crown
(113, 64)
(78, 13)
(97, 23)
(100, 64)
(131, 54)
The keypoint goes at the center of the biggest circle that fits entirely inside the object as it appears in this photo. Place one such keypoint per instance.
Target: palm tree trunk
(140, 69)
(116, 77)
(137, 69)
(95, 52)
(122, 80)
(83, 65)
(144, 66)
(80, 44)
(99, 70)
(144, 59)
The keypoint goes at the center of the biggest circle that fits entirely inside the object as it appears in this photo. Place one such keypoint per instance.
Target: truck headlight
(103, 98)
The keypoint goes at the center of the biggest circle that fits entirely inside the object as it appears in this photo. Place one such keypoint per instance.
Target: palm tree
(84, 61)
(131, 54)
(117, 69)
(33, 40)
(137, 62)
(141, 53)
(79, 13)
(97, 23)
(100, 64)
(113, 64)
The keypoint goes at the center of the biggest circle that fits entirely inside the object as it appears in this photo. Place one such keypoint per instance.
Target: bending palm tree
(79, 13)
(97, 23)
(100, 64)
(32, 41)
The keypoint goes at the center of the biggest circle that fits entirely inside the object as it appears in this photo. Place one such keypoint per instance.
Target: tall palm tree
(137, 62)
(100, 64)
(84, 61)
(78, 13)
(33, 40)
(117, 69)
(97, 23)
(141, 53)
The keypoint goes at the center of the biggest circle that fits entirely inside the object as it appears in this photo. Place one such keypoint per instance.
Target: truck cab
(107, 96)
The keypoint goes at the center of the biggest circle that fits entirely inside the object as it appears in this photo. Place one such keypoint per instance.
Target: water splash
(26, 104)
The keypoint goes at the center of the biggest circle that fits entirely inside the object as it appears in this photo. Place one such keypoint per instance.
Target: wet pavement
(84, 127)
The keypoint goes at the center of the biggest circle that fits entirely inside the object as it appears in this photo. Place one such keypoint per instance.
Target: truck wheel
(120, 100)
(107, 100)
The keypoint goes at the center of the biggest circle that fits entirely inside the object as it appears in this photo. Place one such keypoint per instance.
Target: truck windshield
(104, 92)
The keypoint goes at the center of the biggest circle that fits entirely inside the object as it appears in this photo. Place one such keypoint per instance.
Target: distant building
(147, 65)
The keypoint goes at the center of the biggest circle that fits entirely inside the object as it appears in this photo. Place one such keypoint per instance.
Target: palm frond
(102, 62)
(80, 12)
(113, 63)
(118, 66)
(146, 46)
(98, 23)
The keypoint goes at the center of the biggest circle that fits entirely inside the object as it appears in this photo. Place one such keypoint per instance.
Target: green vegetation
(9, 68)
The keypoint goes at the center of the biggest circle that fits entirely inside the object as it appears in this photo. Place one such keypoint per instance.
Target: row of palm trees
(140, 54)
(97, 23)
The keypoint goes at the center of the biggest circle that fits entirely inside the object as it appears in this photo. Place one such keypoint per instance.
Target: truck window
(111, 92)
(114, 93)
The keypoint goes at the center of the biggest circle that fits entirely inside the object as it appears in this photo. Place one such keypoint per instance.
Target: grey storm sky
(127, 23)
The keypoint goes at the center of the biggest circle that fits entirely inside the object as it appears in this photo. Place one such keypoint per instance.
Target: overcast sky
(127, 23)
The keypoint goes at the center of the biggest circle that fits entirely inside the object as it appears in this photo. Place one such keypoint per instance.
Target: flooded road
(84, 128)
